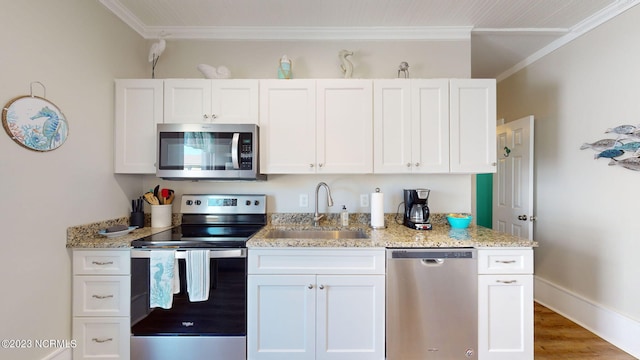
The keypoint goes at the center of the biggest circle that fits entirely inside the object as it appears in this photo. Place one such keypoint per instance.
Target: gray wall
(75, 48)
(587, 211)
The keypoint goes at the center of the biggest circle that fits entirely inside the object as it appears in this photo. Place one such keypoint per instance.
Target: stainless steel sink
(316, 234)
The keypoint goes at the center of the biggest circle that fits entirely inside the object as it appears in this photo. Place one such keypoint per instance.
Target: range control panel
(224, 204)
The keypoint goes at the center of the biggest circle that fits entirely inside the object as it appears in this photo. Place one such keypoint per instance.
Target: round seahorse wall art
(35, 123)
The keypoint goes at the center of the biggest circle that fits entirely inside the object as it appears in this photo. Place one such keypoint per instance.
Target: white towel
(161, 274)
(176, 277)
(198, 275)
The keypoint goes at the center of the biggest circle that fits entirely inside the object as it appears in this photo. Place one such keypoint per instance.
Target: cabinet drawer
(507, 261)
(101, 338)
(304, 261)
(101, 262)
(101, 295)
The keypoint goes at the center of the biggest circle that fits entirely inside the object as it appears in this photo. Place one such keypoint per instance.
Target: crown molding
(575, 32)
(308, 33)
(286, 33)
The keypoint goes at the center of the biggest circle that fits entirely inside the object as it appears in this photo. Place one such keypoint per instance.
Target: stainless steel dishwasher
(432, 304)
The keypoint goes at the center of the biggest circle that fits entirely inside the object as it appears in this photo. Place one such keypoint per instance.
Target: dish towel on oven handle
(198, 277)
(161, 278)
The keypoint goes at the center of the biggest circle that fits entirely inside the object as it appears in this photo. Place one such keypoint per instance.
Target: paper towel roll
(377, 210)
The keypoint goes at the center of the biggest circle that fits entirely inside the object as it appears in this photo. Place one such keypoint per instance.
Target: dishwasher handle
(432, 254)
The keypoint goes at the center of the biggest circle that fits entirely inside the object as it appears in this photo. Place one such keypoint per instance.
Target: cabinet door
(505, 317)
(392, 132)
(187, 101)
(281, 317)
(350, 313)
(138, 110)
(287, 126)
(430, 126)
(344, 132)
(234, 101)
(473, 125)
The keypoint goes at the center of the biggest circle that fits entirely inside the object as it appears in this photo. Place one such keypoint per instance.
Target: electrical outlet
(304, 200)
(364, 200)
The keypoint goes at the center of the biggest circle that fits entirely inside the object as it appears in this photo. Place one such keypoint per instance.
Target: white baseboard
(615, 328)
(59, 354)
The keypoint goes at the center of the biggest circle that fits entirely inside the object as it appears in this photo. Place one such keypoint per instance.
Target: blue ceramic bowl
(459, 222)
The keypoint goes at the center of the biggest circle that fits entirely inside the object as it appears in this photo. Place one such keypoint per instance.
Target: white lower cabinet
(505, 304)
(316, 304)
(101, 304)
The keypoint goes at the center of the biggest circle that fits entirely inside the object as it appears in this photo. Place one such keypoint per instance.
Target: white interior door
(513, 181)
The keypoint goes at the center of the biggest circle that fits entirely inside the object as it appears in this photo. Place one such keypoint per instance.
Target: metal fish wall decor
(622, 151)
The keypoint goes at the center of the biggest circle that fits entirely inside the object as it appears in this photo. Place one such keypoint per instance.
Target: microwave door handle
(234, 150)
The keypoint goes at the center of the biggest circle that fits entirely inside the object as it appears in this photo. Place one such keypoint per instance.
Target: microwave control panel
(246, 151)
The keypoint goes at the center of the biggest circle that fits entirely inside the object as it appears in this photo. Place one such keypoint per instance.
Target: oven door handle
(182, 254)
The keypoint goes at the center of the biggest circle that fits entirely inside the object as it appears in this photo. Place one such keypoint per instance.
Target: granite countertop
(86, 236)
(393, 236)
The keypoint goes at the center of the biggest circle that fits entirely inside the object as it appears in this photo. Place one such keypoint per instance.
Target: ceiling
(505, 35)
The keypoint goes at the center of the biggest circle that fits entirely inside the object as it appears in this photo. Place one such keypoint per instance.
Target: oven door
(207, 151)
(190, 330)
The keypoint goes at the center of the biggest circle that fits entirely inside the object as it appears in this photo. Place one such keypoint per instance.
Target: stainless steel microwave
(208, 152)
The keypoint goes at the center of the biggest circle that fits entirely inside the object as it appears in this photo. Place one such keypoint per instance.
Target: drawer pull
(101, 296)
(310, 286)
(321, 287)
(505, 261)
(94, 262)
(507, 281)
(101, 340)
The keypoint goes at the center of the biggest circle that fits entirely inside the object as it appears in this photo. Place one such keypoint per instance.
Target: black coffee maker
(416, 209)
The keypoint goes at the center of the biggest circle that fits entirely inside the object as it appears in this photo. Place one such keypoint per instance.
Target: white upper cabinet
(138, 110)
(205, 101)
(473, 125)
(344, 132)
(316, 126)
(411, 126)
(287, 126)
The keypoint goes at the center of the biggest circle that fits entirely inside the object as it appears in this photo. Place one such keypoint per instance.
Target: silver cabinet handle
(408, 164)
(101, 340)
(102, 262)
(320, 165)
(506, 281)
(205, 117)
(505, 261)
(310, 286)
(101, 296)
(214, 116)
(417, 164)
(321, 287)
(310, 165)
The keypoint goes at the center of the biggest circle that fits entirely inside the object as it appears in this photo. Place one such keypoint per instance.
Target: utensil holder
(161, 215)
(137, 219)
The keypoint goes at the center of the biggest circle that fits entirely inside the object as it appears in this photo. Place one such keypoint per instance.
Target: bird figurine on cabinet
(346, 66)
(404, 69)
(154, 54)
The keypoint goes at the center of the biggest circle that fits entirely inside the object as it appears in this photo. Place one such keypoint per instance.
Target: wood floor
(556, 337)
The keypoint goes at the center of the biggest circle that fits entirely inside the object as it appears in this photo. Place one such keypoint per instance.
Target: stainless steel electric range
(211, 329)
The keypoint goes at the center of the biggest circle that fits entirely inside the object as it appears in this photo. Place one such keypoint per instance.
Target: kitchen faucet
(316, 215)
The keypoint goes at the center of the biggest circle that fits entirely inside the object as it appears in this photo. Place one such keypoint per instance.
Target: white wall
(449, 193)
(587, 211)
(75, 48)
(317, 59)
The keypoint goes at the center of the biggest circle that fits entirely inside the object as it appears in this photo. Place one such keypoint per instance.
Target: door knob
(522, 217)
